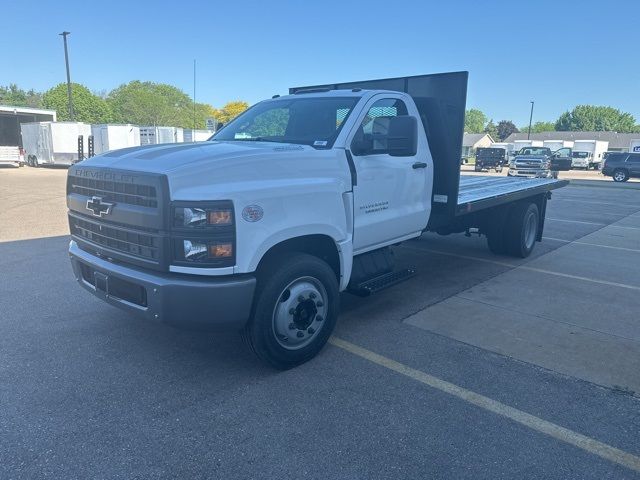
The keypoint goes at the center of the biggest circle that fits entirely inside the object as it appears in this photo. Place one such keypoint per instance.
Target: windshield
(303, 120)
(580, 154)
(534, 151)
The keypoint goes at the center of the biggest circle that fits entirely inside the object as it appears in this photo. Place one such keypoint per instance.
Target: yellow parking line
(583, 442)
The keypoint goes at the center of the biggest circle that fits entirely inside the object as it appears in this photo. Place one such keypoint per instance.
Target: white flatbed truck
(294, 201)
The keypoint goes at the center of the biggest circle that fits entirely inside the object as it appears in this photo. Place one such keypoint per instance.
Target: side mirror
(402, 140)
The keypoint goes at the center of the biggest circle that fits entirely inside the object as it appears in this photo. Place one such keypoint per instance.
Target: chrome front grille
(144, 245)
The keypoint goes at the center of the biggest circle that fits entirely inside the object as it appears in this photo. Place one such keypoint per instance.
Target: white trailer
(53, 143)
(554, 145)
(157, 135)
(108, 137)
(191, 135)
(634, 146)
(10, 155)
(588, 153)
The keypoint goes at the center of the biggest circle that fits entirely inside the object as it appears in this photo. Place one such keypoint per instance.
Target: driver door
(392, 196)
(561, 160)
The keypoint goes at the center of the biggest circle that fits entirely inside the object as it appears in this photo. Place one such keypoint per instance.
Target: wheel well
(321, 246)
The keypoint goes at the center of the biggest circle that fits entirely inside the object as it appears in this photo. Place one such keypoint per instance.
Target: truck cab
(581, 159)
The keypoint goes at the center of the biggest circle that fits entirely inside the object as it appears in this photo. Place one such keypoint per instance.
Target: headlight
(199, 250)
(203, 234)
(195, 217)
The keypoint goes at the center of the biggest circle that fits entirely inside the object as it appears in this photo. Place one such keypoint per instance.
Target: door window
(374, 129)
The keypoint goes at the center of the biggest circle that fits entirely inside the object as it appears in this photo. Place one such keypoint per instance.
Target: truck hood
(171, 157)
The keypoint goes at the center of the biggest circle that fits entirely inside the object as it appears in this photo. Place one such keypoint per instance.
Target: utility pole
(66, 59)
(530, 118)
(194, 98)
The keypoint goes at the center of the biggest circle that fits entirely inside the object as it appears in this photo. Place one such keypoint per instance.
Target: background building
(471, 141)
(618, 142)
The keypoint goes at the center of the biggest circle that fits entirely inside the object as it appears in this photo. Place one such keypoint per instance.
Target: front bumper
(187, 301)
(530, 173)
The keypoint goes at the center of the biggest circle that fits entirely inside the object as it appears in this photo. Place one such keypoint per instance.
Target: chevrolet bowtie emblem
(99, 208)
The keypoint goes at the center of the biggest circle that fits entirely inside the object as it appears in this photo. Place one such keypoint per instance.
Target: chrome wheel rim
(619, 176)
(530, 230)
(300, 313)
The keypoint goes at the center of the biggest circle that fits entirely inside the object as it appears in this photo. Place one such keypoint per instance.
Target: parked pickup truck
(296, 200)
(540, 162)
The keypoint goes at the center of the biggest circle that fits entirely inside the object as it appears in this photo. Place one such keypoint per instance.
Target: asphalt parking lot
(478, 367)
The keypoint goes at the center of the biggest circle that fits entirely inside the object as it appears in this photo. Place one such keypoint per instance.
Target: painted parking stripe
(590, 202)
(545, 427)
(577, 242)
(611, 225)
(531, 269)
(576, 221)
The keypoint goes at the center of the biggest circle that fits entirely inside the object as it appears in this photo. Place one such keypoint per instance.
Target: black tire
(620, 175)
(522, 229)
(34, 162)
(477, 168)
(273, 283)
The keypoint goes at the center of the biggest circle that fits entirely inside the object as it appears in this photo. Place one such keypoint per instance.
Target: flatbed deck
(479, 192)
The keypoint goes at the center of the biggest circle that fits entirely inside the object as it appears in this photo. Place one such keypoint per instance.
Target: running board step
(381, 282)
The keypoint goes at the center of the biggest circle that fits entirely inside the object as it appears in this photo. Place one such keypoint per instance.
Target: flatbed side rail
(508, 197)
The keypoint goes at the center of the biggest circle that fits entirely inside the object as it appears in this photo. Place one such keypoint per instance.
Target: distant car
(487, 158)
(622, 166)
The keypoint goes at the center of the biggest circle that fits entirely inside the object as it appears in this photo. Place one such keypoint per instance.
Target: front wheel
(295, 311)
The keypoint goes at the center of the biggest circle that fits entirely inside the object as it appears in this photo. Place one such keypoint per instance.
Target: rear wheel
(620, 175)
(295, 311)
(522, 229)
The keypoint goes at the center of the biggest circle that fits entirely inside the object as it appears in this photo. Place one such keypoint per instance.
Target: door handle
(419, 165)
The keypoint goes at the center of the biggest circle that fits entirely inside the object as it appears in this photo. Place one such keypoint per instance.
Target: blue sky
(558, 53)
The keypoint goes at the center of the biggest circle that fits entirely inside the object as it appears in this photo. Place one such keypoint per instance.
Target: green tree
(506, 128)
(230, 111)
(492, 130)
(595, 118)
(15, 96)
(474, 121)
(87, 107)
(149, 103)
(540, 127)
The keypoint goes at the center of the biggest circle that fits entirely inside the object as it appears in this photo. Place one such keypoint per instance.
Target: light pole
(530, 118)
(66, 60)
